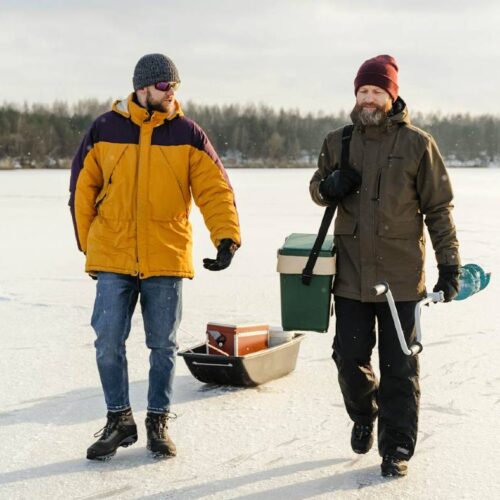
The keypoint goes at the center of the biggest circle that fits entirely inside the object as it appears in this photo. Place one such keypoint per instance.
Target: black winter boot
(394, 466)
(120, 430)
(361, 438)
(159, 441)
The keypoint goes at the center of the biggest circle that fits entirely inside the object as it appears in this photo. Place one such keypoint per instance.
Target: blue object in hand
(473, 279)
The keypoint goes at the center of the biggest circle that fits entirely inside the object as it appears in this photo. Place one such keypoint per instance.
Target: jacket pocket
(114, 200)
(102, 195)
(166, 196)
(404, 230)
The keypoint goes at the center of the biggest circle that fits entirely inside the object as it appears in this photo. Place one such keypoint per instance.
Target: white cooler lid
(293, 264)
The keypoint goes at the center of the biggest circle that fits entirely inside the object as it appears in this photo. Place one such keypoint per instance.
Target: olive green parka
(379, 232)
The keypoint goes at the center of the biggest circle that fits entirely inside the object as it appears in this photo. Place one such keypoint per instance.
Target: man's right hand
(339, 184)
(448, 281)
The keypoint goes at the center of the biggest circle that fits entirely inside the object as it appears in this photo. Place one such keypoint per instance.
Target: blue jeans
(161, 305)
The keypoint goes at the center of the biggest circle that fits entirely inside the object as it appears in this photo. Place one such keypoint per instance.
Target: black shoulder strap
(307, 272)
(346, 140)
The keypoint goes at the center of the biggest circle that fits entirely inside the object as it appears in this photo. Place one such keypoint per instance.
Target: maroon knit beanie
(381, 71)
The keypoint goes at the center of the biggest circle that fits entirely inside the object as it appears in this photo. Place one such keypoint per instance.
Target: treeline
(40, 136)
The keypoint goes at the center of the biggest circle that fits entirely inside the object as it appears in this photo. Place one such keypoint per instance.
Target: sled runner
(248, 370)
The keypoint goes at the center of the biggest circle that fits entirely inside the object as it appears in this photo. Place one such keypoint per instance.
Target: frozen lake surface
(286, 439)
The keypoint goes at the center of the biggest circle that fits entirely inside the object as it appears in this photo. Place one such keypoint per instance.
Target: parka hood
(399, 112)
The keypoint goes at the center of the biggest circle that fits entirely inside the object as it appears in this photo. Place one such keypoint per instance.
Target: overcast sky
(284, 53)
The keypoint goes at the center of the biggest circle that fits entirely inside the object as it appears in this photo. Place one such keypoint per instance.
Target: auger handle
(382, 288)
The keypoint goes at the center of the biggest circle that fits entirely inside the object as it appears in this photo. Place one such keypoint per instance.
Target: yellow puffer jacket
(132, 183)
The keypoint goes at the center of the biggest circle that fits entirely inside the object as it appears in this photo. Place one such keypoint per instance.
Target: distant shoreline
(245, 167)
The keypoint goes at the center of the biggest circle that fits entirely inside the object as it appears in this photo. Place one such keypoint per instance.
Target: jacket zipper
(138, 270)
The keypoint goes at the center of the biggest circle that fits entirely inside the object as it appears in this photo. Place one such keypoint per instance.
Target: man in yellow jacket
(132, 183)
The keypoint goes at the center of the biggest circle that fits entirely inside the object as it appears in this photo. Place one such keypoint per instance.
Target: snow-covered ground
(286, 439)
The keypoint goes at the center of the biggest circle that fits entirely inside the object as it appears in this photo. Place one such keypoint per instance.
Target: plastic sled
(246, 371)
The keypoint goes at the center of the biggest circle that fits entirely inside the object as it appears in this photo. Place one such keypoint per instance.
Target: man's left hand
(225, 252)
(448, 281)
(339, 184)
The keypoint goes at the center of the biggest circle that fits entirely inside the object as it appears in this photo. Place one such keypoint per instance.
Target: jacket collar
(139, 115)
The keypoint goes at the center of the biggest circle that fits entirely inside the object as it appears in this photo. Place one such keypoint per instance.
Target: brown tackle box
(236, 340)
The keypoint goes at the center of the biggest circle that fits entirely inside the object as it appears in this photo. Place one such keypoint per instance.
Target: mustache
(360, 107)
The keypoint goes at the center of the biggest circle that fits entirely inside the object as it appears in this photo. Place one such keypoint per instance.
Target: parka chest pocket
(116, 198)
(168, 201)
(399, 173)
(395, 186)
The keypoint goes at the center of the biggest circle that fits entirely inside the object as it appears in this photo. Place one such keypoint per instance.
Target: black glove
(339, 184)
(448, 281)
(225, 252)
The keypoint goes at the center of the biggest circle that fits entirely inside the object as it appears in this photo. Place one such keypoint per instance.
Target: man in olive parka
(396, 181)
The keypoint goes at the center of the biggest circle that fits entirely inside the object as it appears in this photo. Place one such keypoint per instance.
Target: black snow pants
(395, 399)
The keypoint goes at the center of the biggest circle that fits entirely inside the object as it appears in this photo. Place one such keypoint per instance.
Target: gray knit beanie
(154, 68)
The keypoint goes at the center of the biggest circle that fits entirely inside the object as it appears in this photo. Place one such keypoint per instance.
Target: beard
(162, 105)
(369, 117)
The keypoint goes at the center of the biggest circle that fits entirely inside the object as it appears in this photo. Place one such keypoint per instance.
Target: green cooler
(306, 307)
